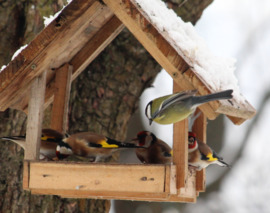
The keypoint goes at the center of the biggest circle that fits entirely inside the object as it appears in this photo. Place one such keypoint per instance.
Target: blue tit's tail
(197, 100)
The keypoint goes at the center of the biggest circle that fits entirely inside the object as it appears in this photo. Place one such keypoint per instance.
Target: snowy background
(239, 29)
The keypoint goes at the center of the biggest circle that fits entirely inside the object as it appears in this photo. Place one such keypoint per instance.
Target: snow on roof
(18, 51)
(48, 20)
(216, 72)
(3, 67)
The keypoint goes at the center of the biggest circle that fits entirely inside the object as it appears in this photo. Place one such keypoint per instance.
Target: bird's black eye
(191, 140)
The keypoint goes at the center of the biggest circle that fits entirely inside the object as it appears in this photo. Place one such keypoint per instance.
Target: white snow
(18, 51)
(48, 20)
(3, 67)
(218, 72)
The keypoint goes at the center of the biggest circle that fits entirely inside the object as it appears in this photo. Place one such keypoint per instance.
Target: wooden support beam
(104, 36)
(180, 148)
(26, 177)
(62, 84)
(35, 117)
(199, 127)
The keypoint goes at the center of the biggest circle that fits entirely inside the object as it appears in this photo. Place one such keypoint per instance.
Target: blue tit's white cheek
(148, 111)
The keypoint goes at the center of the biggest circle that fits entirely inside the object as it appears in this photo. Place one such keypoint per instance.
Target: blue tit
(176, 107)
(200, 155)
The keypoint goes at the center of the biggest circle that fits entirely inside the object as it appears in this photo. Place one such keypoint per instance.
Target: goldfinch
(156, 151)
(89, 145)
(49, 141)
(176, 107)
(201, 155)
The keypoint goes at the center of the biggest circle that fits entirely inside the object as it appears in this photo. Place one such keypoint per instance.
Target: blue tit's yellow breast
(173, 115)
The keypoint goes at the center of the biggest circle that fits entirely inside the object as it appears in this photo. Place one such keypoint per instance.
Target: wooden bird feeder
(42, 74)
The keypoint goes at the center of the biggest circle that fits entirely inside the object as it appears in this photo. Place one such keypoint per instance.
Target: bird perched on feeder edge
(49, 140)
(201, 155)
(176, 107)
(156, 151)
(90, 145)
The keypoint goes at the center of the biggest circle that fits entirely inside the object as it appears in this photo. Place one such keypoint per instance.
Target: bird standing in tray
(176, 107)
(89, 145)
(156, 151)
(49, 140)
(200, 155)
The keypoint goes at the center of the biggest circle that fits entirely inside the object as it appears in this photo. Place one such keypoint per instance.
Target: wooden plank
(180, 148)
(83, 58)
(61, 98)
(189, 191)
(236, 121)
(35, 117)
(199, 127)
(182, 199)
(80, 19)
(93, 177)
(134, 196)
(26, 170)
(180, 152)
(103, 37)
(173, 189)
(103, 195)
(170, 59)
(137, 179)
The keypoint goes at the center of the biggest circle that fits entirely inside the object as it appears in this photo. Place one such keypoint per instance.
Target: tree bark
(103, 98)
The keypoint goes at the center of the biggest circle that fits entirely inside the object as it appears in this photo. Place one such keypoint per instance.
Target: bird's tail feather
(227, 94)
(122, 144)
(223, 163)
(20, 140)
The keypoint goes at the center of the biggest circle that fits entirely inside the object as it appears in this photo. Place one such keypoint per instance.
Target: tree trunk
(103, 98)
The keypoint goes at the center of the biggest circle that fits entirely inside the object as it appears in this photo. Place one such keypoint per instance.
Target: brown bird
(90, 145)
(156, 151)
(201, 155)
(49, 140)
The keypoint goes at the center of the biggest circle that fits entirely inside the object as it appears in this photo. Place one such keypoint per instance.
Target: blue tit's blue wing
(172, 100)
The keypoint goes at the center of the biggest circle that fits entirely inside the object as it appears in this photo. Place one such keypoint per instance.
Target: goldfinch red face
(141, 136)
(192, 142)
(144, 138)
